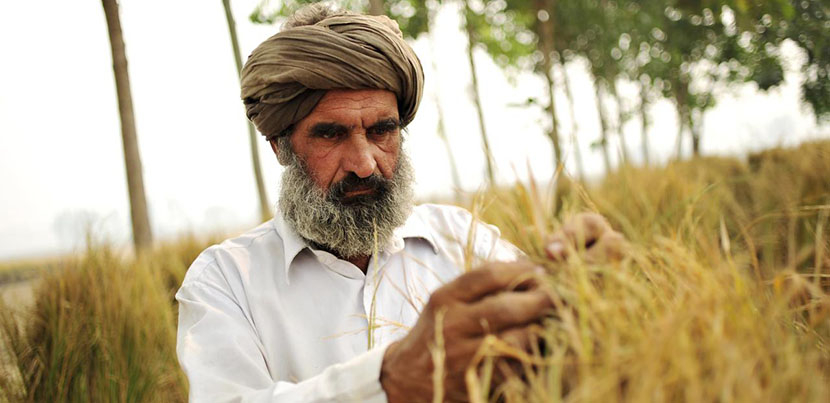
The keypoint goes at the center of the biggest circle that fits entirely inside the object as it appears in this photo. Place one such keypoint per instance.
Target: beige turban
(286, 75)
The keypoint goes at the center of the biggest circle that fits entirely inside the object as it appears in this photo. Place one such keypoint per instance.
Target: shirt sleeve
(223, 359)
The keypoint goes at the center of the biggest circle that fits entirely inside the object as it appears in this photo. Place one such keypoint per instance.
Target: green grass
(724, 297)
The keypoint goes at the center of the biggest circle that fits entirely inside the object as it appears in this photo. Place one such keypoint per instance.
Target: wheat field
(724, 296)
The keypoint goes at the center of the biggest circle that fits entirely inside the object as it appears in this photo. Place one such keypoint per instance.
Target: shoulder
(226, 265)
(454, 228)
(438, 216)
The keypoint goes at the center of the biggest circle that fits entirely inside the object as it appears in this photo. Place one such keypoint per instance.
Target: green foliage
(808, 27)
(507, 31)
(412, 16)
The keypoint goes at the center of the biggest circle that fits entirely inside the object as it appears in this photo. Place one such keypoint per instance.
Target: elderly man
(338, 297)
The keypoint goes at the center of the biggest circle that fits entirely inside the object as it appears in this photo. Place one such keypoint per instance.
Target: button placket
(371, 289)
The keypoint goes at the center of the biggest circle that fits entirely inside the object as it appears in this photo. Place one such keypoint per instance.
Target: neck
(362, 262)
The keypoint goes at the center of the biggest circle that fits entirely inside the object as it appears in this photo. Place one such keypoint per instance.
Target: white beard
(346, 229)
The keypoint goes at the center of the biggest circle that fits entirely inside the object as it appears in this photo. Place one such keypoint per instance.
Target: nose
(359, 157)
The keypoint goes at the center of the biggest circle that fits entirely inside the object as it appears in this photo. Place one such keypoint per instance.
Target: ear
(275, 148)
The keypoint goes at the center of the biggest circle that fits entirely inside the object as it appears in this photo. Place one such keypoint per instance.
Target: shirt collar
(293, 244)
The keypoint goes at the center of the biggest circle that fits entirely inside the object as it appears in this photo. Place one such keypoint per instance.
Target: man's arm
(223, 360)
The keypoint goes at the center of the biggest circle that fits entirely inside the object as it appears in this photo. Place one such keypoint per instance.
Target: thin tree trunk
(546, 39)
(694, 126)
(620, 123)
(142, 233)
(442, 134)
(580, 167)
(376, 7)
(682, 114)
(264, 206)
(681, 125)
(488, 155)
(603, 124)
(644, 119)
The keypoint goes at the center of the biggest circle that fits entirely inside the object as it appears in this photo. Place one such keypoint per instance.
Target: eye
(382, 128)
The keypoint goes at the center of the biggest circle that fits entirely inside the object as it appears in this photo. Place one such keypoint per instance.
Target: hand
(504, 299)
(588, 232)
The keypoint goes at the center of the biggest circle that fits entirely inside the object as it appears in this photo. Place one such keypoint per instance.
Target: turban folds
(286, 75)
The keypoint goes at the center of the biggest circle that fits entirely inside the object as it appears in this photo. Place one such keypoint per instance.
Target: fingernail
(555, 248)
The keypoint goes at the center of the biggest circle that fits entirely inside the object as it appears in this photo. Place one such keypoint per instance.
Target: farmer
(337, 298)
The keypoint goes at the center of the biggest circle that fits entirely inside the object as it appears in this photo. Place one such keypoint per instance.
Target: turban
(286, 75)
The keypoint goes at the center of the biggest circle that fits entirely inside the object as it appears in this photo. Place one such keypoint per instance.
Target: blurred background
(697, 127)
(587, 84)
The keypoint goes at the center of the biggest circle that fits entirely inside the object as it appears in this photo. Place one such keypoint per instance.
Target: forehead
(346, 103)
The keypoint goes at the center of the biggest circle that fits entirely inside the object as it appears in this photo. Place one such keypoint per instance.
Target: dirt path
(18, 294)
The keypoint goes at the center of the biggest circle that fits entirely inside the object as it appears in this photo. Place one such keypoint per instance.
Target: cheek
(389, 159)
(322, 167)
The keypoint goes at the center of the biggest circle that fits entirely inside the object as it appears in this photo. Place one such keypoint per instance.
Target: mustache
(376, 183)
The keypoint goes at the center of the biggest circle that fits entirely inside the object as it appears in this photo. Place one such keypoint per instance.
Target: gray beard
(346, 227)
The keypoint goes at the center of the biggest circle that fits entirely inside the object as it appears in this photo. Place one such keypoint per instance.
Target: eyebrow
(327, 128)
(385, 124)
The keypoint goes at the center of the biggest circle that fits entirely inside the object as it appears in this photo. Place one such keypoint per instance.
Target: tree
(142, 234)
(521, 35)
(699, 45)
(264, 206)
(469, 29)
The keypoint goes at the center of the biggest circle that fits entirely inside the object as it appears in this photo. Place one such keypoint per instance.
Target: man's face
(346, 184)
(349, 132)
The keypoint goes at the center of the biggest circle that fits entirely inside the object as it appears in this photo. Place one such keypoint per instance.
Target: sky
(61, 158)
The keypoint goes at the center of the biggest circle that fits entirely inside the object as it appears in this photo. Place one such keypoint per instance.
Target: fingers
(490, 279)
(609, 248)
(524, 338)
(589, 232)
(586, 227)
(506, 310)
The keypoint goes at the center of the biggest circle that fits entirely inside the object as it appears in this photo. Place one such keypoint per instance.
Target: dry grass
(724, 297)
(102, 329)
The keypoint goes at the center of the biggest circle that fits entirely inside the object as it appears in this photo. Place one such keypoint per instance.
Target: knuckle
(438, 298)
(485, 275)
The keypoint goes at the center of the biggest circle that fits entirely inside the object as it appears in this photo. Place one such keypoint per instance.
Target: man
(338, 297)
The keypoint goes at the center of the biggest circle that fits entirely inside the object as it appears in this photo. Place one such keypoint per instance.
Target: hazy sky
(61, 160)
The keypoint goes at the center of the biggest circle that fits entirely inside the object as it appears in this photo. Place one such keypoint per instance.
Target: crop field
(724, 296)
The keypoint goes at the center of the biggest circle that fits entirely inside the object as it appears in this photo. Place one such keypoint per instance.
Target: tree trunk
(488, 155)
(546, 39)
(603, 124)
(376, 7)
(580, 167)
(442, 134)
(620, 123)
(681, 125)
(264, 206)
(680, 98)
(142, 233)
(694, 126)
(644, 119)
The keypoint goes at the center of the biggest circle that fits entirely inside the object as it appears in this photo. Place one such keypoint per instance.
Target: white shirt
(265, 318)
